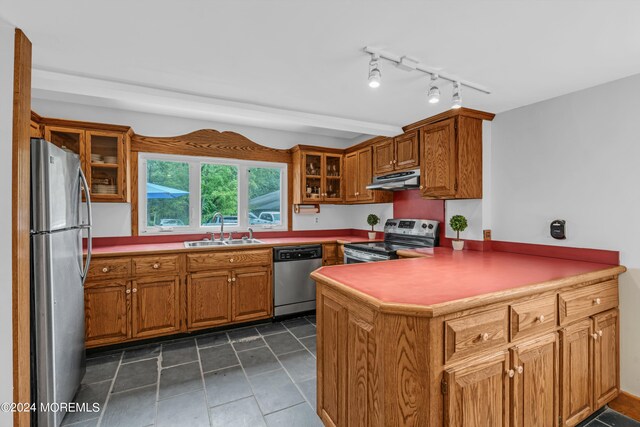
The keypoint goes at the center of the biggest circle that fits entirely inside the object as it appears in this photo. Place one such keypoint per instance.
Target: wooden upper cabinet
(451, 159)
(396, 154)
(106, 306)
(535, 370)
(208, 299)
(318, 177)
(106, 171)
(383, 157)
(156, 306)
(406, 151)
(606, 352)
(104, 158)
(251, 293)
(478, 393)
(351, 184)
(438, 167)
(577, 380)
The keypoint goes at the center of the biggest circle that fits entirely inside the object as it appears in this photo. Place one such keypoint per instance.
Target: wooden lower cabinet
(381, 367)
(251, 293)
(534, 369)
(477, 393)
(590, 365)
(209, 299)
(156, 306)
(106, 305)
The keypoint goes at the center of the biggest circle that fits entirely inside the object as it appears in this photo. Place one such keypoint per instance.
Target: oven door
(354, 256)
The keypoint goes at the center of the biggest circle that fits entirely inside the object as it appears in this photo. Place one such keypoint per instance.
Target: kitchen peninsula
(467, 338)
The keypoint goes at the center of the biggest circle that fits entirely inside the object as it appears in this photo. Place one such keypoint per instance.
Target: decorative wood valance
(209, 142)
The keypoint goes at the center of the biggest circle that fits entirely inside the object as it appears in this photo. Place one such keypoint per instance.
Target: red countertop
(443, 276)
(141, 248)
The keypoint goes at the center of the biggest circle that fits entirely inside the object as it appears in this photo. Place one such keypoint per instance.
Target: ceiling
(300, 64)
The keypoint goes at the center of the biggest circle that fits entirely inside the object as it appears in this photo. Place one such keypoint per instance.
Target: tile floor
(256, 376)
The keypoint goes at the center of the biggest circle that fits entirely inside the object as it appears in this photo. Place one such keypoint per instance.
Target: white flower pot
(458, 245)
(372, 235)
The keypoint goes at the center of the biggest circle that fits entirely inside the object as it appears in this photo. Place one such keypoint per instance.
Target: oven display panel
(406, 224)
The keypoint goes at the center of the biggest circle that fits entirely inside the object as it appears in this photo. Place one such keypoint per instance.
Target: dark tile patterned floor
(610, 418)
(257, 376)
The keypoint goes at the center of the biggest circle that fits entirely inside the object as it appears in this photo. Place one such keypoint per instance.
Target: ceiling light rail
(410, 64)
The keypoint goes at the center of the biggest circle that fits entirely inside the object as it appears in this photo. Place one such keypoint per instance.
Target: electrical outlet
(317, 220)
(486, 234)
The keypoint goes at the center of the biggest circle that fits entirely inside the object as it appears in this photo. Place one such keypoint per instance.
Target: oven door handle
(363, 256)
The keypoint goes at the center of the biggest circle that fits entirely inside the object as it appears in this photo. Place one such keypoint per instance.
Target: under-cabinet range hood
(406, 180)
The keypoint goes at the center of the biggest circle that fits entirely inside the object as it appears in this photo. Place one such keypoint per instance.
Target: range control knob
(424, 225)
(430, 226)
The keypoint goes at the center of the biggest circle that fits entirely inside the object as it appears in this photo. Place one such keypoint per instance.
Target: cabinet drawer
(476, 332)
(105, 268)
(588, 300)
(156, 264)
(228, 259)
(535, 316)
(329, 251)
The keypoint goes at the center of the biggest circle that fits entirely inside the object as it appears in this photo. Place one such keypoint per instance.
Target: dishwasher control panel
(295, 253)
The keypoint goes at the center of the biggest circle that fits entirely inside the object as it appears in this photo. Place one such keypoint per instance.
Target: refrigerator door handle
(84, 186)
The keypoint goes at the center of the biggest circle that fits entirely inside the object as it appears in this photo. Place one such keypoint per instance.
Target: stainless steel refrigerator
(58, 273)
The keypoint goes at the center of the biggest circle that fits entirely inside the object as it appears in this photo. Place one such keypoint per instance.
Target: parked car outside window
(170, 222)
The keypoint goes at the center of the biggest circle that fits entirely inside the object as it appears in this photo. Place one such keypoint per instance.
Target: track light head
(374, 72)
(456, 101)
(434, 92)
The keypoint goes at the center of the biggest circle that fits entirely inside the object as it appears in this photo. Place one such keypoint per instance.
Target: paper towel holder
(306, 209)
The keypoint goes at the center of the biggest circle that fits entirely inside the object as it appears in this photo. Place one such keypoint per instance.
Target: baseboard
(627, 404)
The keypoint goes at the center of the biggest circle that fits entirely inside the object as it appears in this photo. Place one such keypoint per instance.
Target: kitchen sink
(243, 242)
(209, 243)
(204, 244)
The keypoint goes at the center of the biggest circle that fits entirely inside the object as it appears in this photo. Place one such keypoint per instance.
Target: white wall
(7, 33)
(343, 216)
(114, 219)
(577, 157)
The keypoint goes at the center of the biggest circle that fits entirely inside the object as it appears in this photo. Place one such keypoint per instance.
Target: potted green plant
(458, 223)
(373, 220)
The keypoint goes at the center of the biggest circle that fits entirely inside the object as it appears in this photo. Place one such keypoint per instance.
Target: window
(182, 194)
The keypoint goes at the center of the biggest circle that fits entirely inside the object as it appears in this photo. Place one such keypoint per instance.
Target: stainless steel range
(398, 234)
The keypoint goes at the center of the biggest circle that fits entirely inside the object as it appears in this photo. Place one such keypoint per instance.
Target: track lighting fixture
(434, 92)
(407, 63)
(456, 101)
(374, 72)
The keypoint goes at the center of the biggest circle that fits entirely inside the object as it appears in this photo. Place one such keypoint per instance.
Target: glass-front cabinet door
(332, 177)
(106, 165)
(69, 139)
(312, 177)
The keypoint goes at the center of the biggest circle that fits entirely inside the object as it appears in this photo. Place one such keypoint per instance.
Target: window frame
(195, 198)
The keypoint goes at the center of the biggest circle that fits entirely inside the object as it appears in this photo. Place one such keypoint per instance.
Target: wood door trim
(21, 265)
(627, 404)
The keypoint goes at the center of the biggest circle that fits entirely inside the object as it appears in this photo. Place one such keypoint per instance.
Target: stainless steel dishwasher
(294, 291)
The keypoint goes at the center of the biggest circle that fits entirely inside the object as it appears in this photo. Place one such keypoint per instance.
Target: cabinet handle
(599, 333)
(105, 269)
(229, 280)
(594, 336)
(422, 187)
(128, 291)
(484, 337)
(156, 266)
(135, 290)
(395, 161)
(233, 280)
(597, 301)
(231, 260)
(357, 193)
(519, 369)
(541, 318)
(391, 162)
(511, 373)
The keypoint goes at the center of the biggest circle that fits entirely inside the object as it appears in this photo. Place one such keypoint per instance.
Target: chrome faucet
(250, 230)
(213, 234)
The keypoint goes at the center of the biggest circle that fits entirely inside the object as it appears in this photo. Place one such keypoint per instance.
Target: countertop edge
(441, 309)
